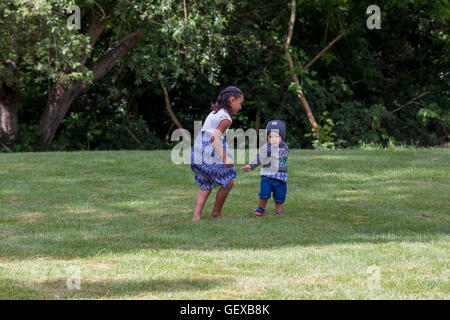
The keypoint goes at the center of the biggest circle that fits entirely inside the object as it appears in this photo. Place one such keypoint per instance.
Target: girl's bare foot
(216, 214)
(195, 218)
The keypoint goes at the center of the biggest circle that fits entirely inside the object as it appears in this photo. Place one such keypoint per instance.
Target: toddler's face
(236, 104)
(274, 138)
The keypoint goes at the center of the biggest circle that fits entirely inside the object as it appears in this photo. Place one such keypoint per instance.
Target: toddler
(274, 172)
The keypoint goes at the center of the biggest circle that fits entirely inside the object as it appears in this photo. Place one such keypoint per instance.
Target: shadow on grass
(103, 289)
(17, 290)
(324, 222)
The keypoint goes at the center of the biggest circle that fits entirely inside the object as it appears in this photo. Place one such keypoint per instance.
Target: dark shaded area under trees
(383, 87)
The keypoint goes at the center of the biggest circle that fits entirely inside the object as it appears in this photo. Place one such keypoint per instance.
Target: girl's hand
(228, 162)
(246, 168)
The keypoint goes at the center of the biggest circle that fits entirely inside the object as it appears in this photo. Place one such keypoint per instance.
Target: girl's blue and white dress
(208, 167)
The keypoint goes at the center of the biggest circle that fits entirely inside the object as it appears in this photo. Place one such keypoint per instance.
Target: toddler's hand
(246, 168)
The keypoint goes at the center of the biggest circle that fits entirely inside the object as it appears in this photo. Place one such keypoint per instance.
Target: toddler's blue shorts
(269, 185)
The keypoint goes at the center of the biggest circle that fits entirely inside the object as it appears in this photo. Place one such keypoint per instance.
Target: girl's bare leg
(221, 196)
(200, 203)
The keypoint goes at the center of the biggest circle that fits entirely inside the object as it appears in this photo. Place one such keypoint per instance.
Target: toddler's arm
(261, 157)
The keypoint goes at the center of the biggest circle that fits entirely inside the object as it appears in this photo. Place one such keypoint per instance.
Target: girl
(212, 164)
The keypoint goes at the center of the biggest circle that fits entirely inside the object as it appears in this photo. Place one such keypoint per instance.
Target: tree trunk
(9, 108)
(57, 107)
(62, 95)
(170, 111)
(258, 118)
(300, 94)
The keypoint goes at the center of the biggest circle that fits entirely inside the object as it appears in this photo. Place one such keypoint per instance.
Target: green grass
(370, 224)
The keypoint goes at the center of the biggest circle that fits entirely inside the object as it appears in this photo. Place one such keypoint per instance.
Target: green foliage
(35, 39)
(182, 47)
(325, 140)
(28, 138)
(105, 124)
(117, 132)
(366, 83)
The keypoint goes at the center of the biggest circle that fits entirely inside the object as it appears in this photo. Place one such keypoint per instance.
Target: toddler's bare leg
(200, 203)
(262, 203)
(221, 196)
(279, 206)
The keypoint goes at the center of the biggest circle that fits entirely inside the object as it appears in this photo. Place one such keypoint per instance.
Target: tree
(34, 40)
(172, 37)
(169, 42)
(65, 90)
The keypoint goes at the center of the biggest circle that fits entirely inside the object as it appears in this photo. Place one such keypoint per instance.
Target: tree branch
(343, 31)
(96, 29)
(134, 137)
(325, 49)
(410, 102)
(101, 9)
(170, 111)
(291, 27)
(326, 28)
(109, 59)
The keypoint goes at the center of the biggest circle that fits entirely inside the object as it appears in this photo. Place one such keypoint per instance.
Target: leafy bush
(119, 131)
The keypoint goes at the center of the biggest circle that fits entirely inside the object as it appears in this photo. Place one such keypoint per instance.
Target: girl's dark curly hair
(223, 100)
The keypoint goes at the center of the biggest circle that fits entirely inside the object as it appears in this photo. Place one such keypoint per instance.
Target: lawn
(358, 224)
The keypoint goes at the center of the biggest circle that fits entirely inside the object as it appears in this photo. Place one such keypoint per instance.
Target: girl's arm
(217, 143)
(261, 158)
